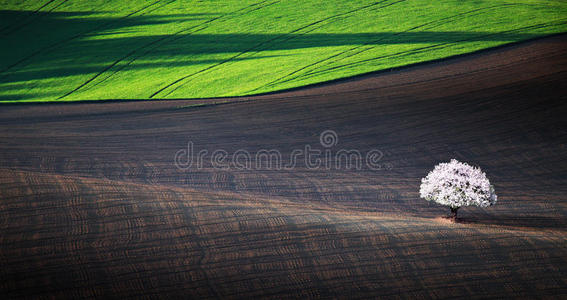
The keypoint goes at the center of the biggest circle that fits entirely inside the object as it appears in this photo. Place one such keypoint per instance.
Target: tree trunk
(454, 213)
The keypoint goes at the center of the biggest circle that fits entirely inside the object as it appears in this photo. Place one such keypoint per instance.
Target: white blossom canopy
(457, 184)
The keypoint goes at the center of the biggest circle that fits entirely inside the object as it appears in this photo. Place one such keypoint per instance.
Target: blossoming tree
(456, 184)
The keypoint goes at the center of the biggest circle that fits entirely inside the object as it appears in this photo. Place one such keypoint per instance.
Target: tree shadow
(536, 222)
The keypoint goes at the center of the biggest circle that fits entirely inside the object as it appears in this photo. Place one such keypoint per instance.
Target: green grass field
(65, 50)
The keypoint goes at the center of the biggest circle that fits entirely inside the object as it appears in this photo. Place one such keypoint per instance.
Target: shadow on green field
(45, 45)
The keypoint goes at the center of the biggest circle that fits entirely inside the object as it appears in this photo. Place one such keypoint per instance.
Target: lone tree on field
(456, 184)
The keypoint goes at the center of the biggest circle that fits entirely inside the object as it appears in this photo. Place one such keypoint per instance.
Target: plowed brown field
(92, 204)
